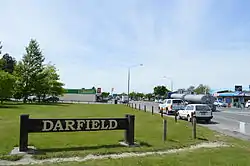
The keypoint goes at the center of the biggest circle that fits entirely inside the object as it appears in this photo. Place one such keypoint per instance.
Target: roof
(80, 91)
(229, 89)
(231, 94)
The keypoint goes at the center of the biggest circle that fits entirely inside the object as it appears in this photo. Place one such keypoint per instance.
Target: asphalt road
(231, 121)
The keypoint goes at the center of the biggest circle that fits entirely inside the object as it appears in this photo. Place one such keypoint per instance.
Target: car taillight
(171, 107)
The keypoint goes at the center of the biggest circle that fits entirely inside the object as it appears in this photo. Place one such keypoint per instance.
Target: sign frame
(30, 125)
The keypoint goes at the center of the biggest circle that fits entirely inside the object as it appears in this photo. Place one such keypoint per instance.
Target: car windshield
(202, 107)
(178, 102)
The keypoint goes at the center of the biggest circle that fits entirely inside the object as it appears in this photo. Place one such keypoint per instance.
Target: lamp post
(129, 76)
(171, 81)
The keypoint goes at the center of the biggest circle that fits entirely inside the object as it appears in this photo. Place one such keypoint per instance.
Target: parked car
(220, 103)
(170, 106)
(202, 112)
(51, 99)
(247, 105)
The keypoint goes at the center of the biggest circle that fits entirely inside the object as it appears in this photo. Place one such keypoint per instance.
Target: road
(231, 121)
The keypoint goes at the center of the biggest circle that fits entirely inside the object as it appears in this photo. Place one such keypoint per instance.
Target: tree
(105, 94)
(149, 96)
(160, 90)
(31, 70)
(139, 95)
(202, 89)
(7, 82)
(132, 95)
(8, 63)
(50, 84)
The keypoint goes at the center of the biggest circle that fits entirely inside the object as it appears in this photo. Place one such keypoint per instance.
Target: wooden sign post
(28, 125)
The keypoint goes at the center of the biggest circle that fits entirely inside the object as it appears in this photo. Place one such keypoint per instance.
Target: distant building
(231, 96)
(82, 95)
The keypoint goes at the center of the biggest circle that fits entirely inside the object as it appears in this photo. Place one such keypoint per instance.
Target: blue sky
(93, 42)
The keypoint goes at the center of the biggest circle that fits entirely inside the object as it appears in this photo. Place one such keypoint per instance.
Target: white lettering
(80, 124)
(69, 125)
(46, 127)
(95, 124)
(113, 124)
(58, 125)
(87, 125)
(103, 127)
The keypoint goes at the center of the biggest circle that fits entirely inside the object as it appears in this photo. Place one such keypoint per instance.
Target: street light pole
(128, 82)
(171, 82)
(129, 77)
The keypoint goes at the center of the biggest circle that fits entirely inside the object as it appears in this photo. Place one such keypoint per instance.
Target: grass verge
(148, 131)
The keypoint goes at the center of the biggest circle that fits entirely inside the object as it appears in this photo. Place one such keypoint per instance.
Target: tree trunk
(25, 99)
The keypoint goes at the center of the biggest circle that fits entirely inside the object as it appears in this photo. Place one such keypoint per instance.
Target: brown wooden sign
(28, 125)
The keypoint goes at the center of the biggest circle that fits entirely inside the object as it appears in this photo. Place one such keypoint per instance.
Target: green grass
(148, 131)
(203, 157)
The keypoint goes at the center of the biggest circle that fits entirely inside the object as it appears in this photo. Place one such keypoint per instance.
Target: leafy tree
(8, 63)
(105, 94)
(160, 90)
(50, 84)
(132, 95)
(139, 95)
(31, 70)
(202, 89)
(149, 96)
(7, 82)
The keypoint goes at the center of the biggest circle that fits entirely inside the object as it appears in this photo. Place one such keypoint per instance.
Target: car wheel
(208, 121)
(178, 116)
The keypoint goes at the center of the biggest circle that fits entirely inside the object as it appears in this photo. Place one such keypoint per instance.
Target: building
(232, 96)
(79, 95)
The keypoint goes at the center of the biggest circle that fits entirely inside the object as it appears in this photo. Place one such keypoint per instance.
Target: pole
(164, 130)
(172, 84)
(128, 82)
(194, 126)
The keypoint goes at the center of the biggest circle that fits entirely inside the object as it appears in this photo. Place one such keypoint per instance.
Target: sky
(94, 42)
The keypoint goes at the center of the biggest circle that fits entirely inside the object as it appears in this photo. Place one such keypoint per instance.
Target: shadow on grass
(17, 104)
(4, 106)
(202, 139)
(49, 150)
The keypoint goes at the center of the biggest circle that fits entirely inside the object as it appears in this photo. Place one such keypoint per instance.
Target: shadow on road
(212, 122)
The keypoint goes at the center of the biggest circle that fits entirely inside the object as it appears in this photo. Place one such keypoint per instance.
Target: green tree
(160, 90)
(132, 95)
(105, 94)
(202, 89)
(139, 95)
(7, 62)
(31, 70)
(50, 84)
(7, 82)
(149, 96)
